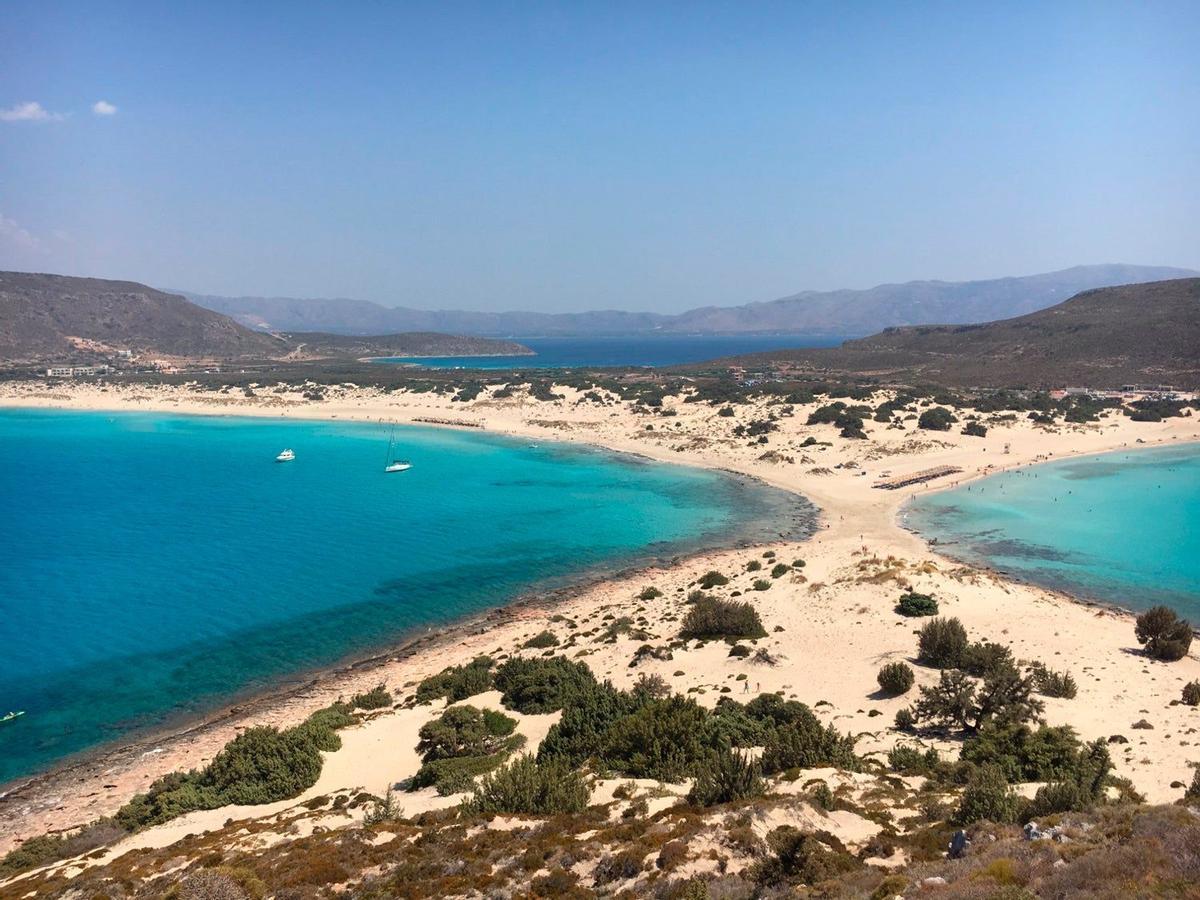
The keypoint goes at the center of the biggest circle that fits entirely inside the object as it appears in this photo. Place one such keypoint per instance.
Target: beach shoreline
(855, 524)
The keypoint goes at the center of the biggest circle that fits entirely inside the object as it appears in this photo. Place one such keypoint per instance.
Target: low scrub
(541, 685)
(541, 641)
(941, 643)
(712, 618)
(527, 787)
(457, 682)
(1164, 634)
(914, 604)
(895, 678)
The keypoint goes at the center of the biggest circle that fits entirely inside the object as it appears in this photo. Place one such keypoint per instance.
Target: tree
(948, 704)
(464, 731)
(1164, 635)
(987, 797)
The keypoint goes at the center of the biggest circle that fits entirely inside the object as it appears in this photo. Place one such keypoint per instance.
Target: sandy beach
(831, 624)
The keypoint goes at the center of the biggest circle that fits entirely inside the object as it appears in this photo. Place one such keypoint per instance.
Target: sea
(155, 567)
(599, 352)
(1120, 527)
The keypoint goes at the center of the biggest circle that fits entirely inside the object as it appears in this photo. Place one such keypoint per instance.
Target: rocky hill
(58, 319)
(1134, 334)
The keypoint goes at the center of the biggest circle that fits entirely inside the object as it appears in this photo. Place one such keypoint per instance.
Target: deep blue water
(1122, 527)
(154, 566)
(575, 352)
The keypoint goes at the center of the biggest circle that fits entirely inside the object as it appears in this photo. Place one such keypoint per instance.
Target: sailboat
(393, 464)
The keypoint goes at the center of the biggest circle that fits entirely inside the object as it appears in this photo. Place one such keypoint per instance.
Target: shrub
(936, 418)
(668, 739)
(1054, 684)
(909, 760)
(649, 593)
(712, 579)
(803, 743)
(1082, 788)
(578, 735)
(1164, 634)
(527, 787)
(974, 429)
(914, 604)
(1191, 693)
(761, 584)
(383, 810)
(982, 658)
(948, 704)
(941, 643)
(895, 678)
(464, 731)
(906, 719)
(541, 685)
(714, 618)
(987, 797)
(457, 682)
(1192, 794)
(619, 866)
(1048, 753)
(454, 775)
(541, 641)
(376, 698)
(730, 776)
(48, 848)
(753, 566)
(780, 569)
(802, 858)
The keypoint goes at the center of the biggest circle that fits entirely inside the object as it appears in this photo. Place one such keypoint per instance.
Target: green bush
(527, 787)
(804, 743)
(780, 569)
(761, 584)
(376, 698)
(457, 682)
(974, 429)
(541, 685)
(712, 579)
(454, 775)
(728, 777)
(753, 566)
(1082, 788)
(895, 678)
(941, 643)
(906, 719)
(714, 618)
(800, 858)
(1191, 693)
(1022, 753)
(464, 731)
(981, 658)
(1192, 795)
(936, 418)
(650, 593)
(914, 604)
(1164, 635)
(987, 797)
(909, 760)
(666, 739)
(1053, 684)
(541, 641)
(579, 735)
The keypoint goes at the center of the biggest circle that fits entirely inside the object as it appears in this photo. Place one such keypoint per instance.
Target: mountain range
(1146, 334)
(841, 312)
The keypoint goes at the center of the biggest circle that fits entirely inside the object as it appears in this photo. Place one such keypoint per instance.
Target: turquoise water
(1122, 527)
(667, 350)
(153, 566)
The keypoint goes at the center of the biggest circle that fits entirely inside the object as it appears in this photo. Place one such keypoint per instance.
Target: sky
(570, 156)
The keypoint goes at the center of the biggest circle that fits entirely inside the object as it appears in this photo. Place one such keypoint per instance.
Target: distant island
(57, 319)
(837, 313)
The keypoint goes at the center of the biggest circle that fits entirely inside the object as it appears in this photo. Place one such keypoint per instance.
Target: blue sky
(564, 156)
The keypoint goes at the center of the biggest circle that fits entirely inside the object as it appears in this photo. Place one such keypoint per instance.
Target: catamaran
(12, 715)
(286, 456)
(392, 464)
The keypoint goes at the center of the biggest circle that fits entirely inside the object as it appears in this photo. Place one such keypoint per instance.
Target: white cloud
(13, 235)
(31, 111)
(103, 108)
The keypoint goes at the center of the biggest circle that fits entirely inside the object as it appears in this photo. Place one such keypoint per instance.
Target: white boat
(392, 464)
(286, 456)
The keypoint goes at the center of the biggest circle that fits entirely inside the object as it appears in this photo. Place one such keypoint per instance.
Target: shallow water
(154, 566)
(1121, 527)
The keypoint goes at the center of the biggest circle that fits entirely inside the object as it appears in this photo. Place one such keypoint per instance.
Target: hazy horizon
(576, 158)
